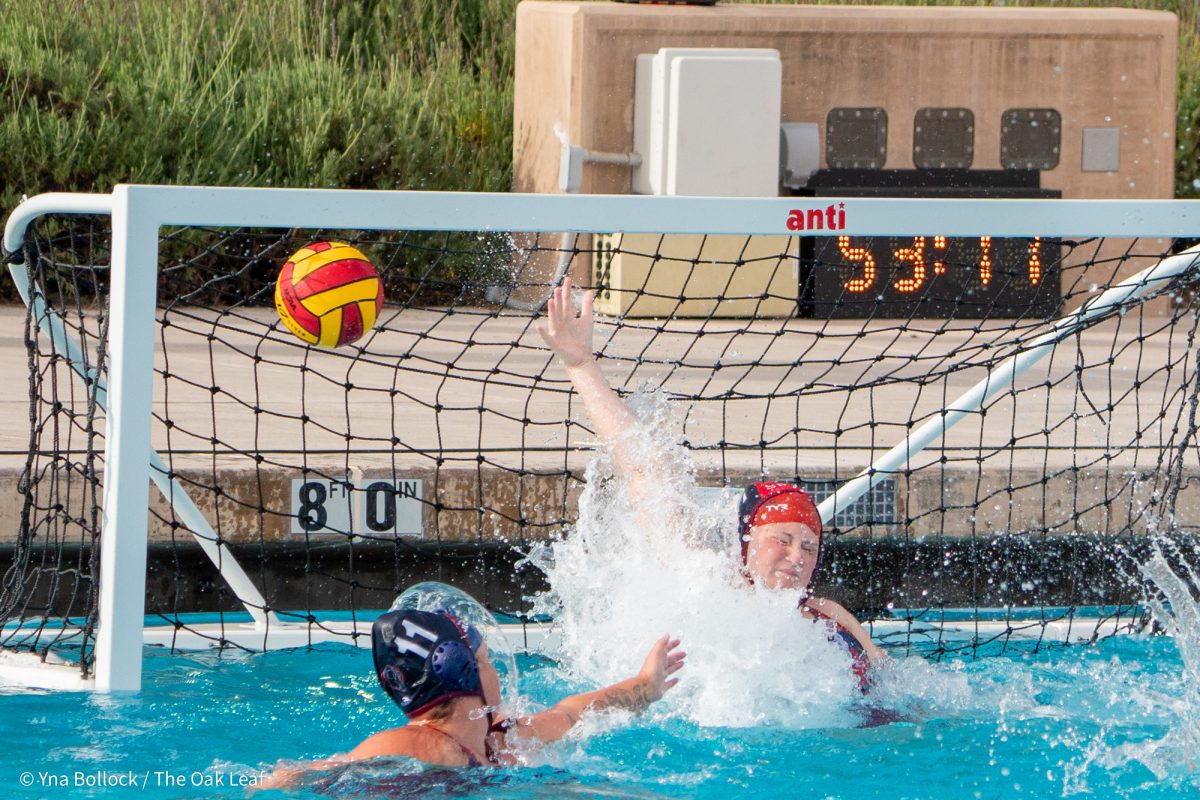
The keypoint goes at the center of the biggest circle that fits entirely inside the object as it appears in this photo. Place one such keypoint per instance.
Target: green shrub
(410, 94)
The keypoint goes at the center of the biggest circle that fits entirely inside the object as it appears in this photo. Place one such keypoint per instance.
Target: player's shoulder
(402, 741)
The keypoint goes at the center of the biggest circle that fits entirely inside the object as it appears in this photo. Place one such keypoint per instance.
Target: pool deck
(818, 393)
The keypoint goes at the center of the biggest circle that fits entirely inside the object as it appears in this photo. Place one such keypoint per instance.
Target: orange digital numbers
(1035, 260)
(985, 259)
(939, 243)
(916, 264)
(898, 275)
(916, 256)
(858, 254)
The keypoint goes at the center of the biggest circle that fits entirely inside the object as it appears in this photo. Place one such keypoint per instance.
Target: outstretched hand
(568, 335)
(663, 661)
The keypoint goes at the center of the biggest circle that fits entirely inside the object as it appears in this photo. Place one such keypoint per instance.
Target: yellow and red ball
(328, 294)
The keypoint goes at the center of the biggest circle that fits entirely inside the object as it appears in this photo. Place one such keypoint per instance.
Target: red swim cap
(793, 506)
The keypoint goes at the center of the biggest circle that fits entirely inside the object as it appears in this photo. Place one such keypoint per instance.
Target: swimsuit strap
(472, 761)
(502, 726)
(816, 612)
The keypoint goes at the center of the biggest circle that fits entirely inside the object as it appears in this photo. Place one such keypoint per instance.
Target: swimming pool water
(1098, 721)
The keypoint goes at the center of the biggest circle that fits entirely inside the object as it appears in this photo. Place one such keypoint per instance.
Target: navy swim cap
(424, 658)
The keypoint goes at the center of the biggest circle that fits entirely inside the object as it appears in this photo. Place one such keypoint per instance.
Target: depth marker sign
(372, 507)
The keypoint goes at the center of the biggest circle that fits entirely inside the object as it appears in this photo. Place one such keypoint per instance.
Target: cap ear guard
(454, 665)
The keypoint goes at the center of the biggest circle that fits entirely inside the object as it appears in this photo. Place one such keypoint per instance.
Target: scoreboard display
(929, 274)
(934, 276)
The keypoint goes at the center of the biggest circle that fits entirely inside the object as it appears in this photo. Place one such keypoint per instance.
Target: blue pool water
(1098, 721)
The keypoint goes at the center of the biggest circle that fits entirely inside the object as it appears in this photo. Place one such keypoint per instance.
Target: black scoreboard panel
(934, 276)
(929, 274)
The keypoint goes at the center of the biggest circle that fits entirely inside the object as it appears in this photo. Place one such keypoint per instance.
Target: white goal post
(139, 212)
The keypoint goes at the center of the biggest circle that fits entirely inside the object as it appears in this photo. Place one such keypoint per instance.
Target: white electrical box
(706, 122)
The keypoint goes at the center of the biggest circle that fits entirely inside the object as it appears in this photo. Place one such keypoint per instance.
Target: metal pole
(1003, 377)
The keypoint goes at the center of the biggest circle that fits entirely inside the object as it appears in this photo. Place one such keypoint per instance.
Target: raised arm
(634, 694)
(570, 337)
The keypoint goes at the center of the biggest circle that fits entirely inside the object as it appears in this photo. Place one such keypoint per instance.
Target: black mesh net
(447, 441)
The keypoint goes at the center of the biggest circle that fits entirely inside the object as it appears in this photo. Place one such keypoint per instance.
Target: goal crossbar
(447, 211)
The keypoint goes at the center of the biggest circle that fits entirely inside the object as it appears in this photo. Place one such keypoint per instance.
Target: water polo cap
(424, 658)
(764, 503)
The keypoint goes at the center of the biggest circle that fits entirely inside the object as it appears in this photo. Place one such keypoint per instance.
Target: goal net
(1004, 393)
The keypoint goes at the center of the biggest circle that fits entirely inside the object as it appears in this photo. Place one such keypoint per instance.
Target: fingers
(666, 642)
(585, 312)
(560, 304)
(664, 660)
(674, 660)
(560, 311)
(554, 309)
(557, 314)
(665, 652)
(557, 311)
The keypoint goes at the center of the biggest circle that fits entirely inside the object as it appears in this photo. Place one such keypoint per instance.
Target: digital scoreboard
(929, 274)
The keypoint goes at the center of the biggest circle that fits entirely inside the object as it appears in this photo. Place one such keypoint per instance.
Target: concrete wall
(465, 505)
(1098, 67)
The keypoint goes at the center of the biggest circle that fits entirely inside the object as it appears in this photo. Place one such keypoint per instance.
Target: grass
(362, 94)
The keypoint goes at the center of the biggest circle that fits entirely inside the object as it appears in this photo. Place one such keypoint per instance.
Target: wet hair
(425, 658)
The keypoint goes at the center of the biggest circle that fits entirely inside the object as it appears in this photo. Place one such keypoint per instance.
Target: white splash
(645, 561)
(1176, 610)
(1174, 703)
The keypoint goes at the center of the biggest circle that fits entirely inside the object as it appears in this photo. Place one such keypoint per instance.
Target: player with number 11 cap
(437, 669)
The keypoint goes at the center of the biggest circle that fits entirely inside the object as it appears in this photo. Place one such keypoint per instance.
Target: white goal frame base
(28, 671)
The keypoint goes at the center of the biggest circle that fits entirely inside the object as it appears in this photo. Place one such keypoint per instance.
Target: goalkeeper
(779, 529)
